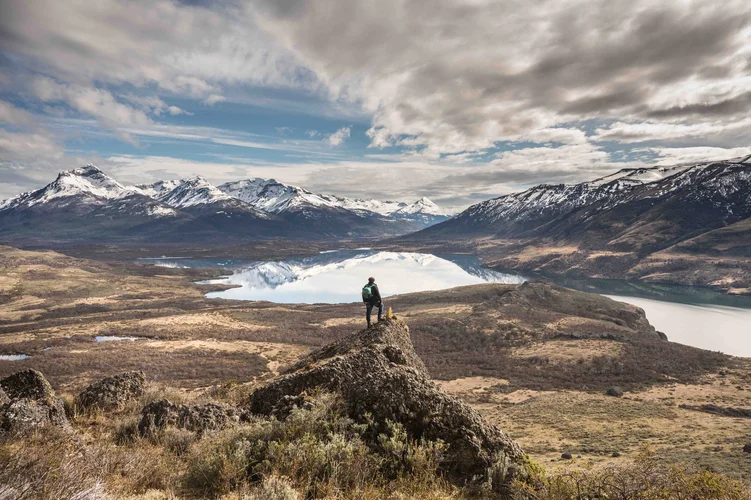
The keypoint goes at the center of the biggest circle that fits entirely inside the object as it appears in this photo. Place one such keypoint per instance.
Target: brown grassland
(534, 360)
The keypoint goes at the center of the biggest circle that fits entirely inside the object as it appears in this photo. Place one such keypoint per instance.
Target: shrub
(272, 488)
(647, 477)
(322, 452)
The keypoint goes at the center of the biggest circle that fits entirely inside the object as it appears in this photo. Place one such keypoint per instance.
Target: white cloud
(12, 115)
(673, 156)
(21, 145)
(213, 99)
(338, 137)
(94, 102)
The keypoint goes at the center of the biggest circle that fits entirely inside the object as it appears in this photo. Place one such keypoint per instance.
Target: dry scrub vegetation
(316, 452)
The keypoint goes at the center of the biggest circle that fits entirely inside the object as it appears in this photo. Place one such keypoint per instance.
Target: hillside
(684, 224)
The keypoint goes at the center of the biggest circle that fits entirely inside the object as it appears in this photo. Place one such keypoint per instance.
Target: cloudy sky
(457, 100)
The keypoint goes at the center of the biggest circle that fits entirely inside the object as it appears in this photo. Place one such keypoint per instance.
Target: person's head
(371, 280)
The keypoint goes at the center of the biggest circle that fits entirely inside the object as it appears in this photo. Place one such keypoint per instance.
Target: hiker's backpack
(367, 293)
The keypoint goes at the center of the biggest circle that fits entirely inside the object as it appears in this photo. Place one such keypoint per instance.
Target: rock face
(197, 417)
(381, 378)
(113, 392)
(27, 401)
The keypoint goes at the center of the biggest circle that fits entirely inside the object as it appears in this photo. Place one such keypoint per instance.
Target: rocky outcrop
(28, 402)
(720, 410)
(193, 417)
(113, 392)
(381, 379)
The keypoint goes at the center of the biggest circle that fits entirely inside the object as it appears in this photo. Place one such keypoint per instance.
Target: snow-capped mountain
(275, 197)
(633, 209)
(272, 196)
(86, 182)
(87, 189)
(191, 192)
(85, 204)
(422, 206)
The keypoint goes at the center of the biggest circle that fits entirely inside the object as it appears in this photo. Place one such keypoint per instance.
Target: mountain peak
(423, 206)
(189, 192)
(88, 170)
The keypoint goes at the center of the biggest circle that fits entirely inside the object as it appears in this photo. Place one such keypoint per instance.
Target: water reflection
(336, 277)
(689, 315)
(13, 357)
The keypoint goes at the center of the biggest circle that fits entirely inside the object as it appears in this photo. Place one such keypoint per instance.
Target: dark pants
(369, 308)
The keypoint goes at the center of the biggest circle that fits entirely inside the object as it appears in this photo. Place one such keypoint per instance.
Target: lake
(692, 316)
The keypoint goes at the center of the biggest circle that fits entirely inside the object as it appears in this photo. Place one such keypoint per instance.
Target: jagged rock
(719, 410)
(288, 403)
(616, 392)
(113, 392)
(194, 417)
(381, 379)
(29, 402)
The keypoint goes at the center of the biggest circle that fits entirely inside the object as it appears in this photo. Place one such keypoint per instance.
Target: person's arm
(377, 293)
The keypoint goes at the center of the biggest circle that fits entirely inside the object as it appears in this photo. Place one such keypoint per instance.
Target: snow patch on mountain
(157, 189)
(192, 192)
(549, 201)
(422, 206)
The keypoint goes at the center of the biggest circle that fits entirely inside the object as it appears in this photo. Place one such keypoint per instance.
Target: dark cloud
(437, 77)
(728, 107)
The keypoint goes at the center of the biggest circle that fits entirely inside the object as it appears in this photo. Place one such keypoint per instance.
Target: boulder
(566, 456)
(27, 384)
(28, 402)
(747, 448)
(616, 392)
(113, 392)
(194, 417)
(380, 378)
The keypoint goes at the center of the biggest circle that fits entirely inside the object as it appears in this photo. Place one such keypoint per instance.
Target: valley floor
(534, 359)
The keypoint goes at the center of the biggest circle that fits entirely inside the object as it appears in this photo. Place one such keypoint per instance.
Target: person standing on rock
(372, 297)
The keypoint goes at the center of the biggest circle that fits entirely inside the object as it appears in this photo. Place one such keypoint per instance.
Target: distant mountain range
(648, 223)
(86, 205)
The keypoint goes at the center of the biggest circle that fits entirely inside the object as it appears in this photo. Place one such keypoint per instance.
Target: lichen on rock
(28, 402)
(113, 392)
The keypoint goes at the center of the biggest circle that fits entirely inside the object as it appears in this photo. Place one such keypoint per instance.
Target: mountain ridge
(662, 224)
(85, 204)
